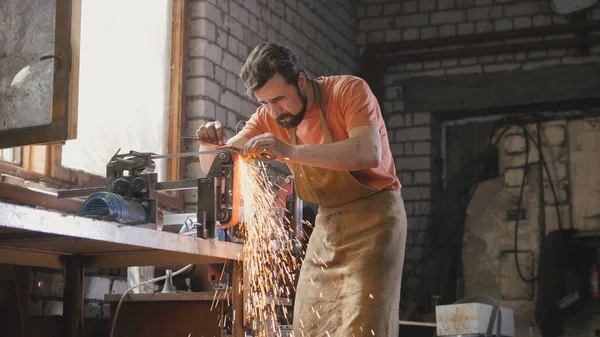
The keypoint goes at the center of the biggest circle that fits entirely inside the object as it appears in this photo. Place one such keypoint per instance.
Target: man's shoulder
(263, 120)
(341, 80)
(259, 113)
(340, 85)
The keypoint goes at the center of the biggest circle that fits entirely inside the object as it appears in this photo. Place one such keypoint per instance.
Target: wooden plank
(44, 221)
(432, 325)
(27, 184)
(73, 297)
(239, 322)
(24, 195)
(73, 102)
(33, 174)
(168, 297)
(64, 244)
(26, 257)
(147, 258)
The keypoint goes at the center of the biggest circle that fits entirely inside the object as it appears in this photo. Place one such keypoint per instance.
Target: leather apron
(350, 280)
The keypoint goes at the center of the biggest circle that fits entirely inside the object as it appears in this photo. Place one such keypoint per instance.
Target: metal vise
(129, 195)
(130, 179)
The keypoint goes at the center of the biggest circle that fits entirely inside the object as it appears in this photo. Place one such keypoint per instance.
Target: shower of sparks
(269, 261)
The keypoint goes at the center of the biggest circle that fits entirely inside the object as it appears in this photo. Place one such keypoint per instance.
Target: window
(12, 155)
(124, 82)
(125, 90)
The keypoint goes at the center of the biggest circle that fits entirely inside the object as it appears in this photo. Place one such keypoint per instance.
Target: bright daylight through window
(123, 82)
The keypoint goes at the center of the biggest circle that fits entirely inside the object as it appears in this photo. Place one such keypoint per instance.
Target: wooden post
(239, 326)
(73, 297)
(179, 47)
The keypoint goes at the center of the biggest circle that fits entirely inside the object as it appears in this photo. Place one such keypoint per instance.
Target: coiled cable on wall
(114, 321)
(529, 137)
(446, 240)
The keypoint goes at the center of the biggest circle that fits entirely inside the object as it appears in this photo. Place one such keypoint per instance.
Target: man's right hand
(211, 133)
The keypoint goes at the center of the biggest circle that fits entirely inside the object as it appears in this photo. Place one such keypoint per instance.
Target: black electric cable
(545, 165)
(543, 162)
(520, 200)
(528, 137)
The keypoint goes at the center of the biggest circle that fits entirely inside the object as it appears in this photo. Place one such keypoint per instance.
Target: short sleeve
(254, 126)
(358, 104)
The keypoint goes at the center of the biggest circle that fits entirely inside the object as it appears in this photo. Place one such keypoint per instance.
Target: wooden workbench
(38, 237)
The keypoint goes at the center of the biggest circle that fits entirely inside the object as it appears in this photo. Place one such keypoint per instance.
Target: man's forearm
(353, 154)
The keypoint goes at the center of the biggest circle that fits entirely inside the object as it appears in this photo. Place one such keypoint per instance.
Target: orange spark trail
(269, 261)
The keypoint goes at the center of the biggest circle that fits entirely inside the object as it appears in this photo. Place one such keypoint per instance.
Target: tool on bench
(131, 191)
(130, 197)
(241, 152)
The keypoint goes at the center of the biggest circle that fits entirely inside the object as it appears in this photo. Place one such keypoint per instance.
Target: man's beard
(294, 120)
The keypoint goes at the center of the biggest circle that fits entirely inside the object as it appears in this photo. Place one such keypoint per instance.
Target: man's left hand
(267, 145)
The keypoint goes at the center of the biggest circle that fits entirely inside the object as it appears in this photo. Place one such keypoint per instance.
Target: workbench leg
(238, 300)
(73, 297)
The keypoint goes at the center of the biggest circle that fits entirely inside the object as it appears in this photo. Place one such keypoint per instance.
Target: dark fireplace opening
(469, 155)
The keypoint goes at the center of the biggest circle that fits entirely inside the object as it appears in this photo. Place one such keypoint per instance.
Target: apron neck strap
(317, 96)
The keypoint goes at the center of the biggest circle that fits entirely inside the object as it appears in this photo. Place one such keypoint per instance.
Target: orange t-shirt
(347, 102)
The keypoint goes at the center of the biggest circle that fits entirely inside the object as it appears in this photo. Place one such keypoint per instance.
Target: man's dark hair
(266, 60)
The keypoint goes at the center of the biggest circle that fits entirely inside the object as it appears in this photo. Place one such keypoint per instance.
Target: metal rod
(185, 154)
(433, 325)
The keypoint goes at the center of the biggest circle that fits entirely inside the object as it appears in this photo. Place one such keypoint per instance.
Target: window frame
(63, 125)
(42, 162)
